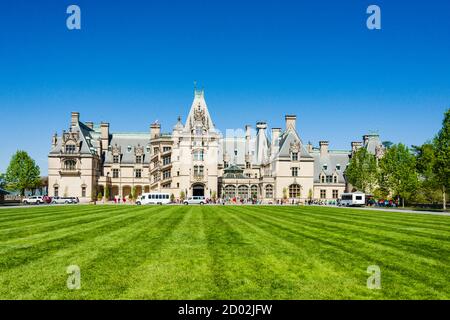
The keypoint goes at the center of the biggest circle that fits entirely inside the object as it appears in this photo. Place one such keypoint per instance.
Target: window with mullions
(198, 155)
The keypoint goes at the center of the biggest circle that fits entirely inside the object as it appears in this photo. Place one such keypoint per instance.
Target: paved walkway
(437, 213)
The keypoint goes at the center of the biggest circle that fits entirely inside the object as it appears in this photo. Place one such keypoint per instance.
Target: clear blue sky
(134, 62)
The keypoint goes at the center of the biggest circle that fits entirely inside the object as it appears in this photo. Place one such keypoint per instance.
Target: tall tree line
(419, 174)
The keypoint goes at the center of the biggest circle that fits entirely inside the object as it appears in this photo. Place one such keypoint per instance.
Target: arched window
(230, 192)
(254, 191)
(294, 191)
(243, 192)
(269, 191)
(70, 165)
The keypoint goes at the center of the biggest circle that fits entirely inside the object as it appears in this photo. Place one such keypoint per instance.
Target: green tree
(214, 196)
(99, 196)
(22, 173)
(362, 171)
(182, 195)
(285, 195)
(133, 194)
(172, 198)
(2, 181)
(428, 187)
(398, 172)
(441, 167)
(310, 194)
(107, 193)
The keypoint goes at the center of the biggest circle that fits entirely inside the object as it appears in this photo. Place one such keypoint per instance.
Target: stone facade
(195, 158)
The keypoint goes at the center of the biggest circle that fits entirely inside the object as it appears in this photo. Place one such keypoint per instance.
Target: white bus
(153, 198)
(353, 199)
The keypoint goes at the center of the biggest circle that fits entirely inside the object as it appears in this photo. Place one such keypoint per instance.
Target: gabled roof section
(87, 138)
(288, 138)
(199, 114)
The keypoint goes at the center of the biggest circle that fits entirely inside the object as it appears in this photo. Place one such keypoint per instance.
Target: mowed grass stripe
(46, 278)
(391, 219)
(181, 262)
(49, 223)
(404, 238)
(39, 212)
(20, 251)
(408, 264)
(239, 271)
(302, 275)
(225, 252)
(114, 215)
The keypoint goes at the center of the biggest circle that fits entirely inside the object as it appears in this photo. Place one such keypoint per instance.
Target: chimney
(290, 122)
(75, 119)
(155, 130)
(275, 136)
(54, 140)
(365, 139)
(356, 145)
(247, 139)
(90, 125)
(104, 134)
(323, 148)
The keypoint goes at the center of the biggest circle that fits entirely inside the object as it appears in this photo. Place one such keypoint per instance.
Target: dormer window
(129, 149)
(338, 167)
(294, 156)
(334, 179)
(70, 148)
(325, 167)
(115, 159)
(148, 149)
(138, 159)
(322, 179)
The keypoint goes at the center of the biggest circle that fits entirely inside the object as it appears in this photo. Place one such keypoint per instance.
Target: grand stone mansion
(196, 159)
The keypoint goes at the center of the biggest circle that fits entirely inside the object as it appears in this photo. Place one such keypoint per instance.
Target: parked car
(195, 200)
(61, 200)
(33, 200)
(75, 199)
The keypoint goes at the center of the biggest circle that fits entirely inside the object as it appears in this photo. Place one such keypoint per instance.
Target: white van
(353, 199)
(153, 198)
(195, 200)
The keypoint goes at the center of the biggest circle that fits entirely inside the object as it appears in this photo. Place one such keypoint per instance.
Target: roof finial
(195, 85)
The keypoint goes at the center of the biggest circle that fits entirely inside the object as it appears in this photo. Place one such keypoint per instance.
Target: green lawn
(222, 252)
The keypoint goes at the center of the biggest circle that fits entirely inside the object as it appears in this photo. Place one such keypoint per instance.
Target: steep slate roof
(287, 138)
(230, 144)
(125, 140)
(331, 160)
(88, 138)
